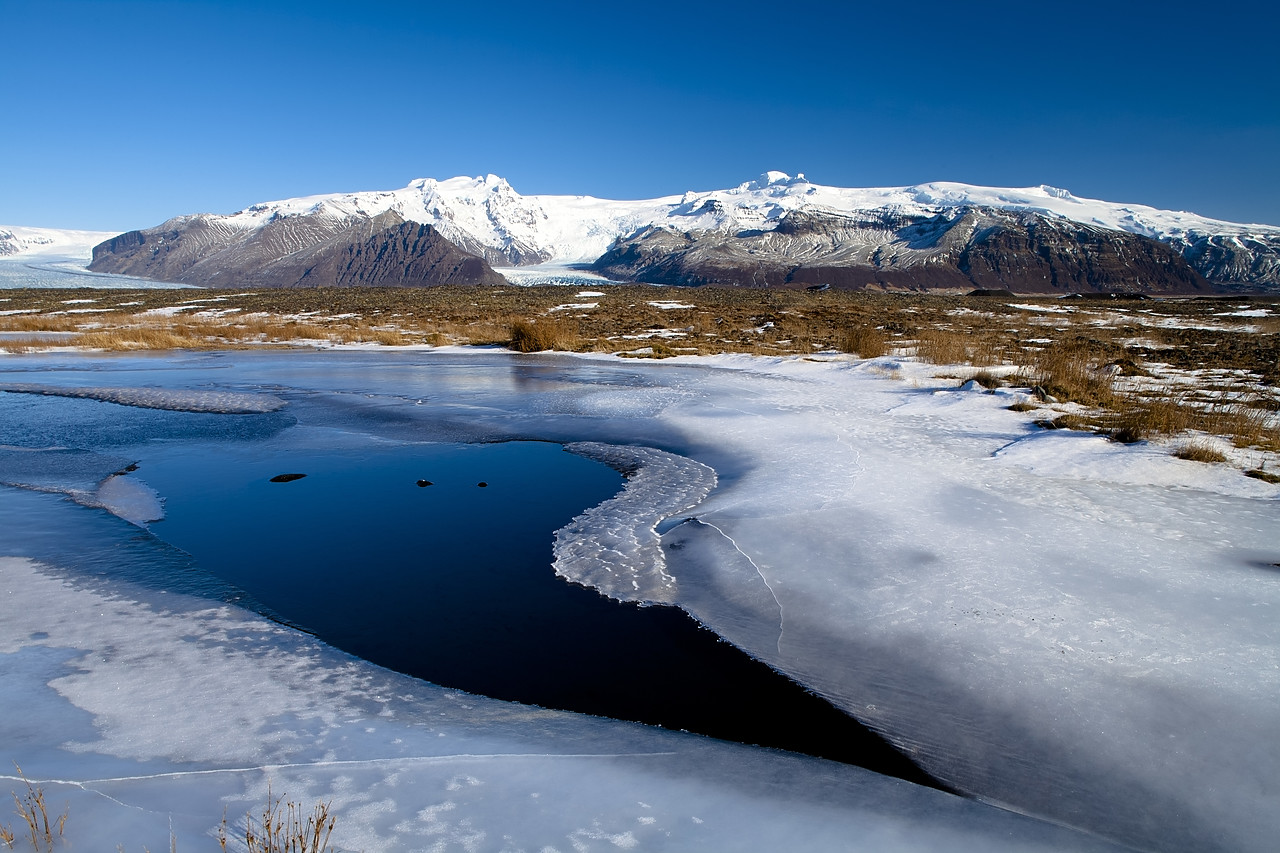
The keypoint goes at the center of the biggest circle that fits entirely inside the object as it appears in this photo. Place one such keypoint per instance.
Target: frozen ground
(1080, 631)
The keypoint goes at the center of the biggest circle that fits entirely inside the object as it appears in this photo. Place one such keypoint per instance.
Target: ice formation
(176, 400)
(614, 547)
(145, 714)
(1074, 629)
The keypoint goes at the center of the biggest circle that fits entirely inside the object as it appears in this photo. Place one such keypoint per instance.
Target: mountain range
(775, 231)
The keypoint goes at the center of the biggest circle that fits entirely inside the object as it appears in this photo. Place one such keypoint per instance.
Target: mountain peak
(484, 215)
(773, 179)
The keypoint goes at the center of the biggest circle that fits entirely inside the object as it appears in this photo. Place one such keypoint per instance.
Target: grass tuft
(544, 334)
(285, 828)
(863, 341)
(34, 811)
(987, 379)
(1070, 372)
(38, 323)
(942, 346)
(1148, 417)
(1199, 451)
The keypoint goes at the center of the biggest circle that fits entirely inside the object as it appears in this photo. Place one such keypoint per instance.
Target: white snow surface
(145, 714)
(1078, 630)
(20, 242)
(488, 212)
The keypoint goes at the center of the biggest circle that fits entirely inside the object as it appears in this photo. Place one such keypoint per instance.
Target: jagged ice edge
(614, 546)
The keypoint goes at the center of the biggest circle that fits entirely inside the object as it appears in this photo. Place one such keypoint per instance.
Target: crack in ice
(747, 557)
(354, 762)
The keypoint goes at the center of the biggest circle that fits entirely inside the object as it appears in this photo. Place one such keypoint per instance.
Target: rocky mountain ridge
(961, 249)
(778, 231)
(296, 251)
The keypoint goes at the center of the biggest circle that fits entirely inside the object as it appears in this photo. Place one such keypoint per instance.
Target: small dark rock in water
(422, 484)
(482, 484)
(286, 478)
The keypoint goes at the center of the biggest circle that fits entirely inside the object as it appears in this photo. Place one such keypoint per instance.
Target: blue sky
(117, 115)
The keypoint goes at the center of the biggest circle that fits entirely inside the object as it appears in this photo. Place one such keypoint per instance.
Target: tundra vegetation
(1199, 374)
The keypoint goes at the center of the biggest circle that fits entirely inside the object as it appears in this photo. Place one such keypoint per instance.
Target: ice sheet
(143, 715)
(1080, 630)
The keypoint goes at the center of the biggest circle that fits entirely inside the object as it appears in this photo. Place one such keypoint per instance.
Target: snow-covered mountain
(18, 241)
(879, 231)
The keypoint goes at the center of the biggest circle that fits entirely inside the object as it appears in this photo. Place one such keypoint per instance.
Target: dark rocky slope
(958, 250)
(293, 251)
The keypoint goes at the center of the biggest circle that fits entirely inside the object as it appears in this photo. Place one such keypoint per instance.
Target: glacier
(1063, 628)
(57, 258)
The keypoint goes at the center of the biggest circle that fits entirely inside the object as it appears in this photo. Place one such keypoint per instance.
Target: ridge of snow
(485, 213)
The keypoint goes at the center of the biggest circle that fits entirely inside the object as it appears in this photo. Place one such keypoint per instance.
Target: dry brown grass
(286, 828)
(1072, 371)
(134, 339)
(986, 379)
(864, 342)
(1136, 418)
(1144, 418)
(1247, 426)
(34, 811)
(1199, 451)
(295, 330)
(31, 344)
(544, 333)
(942, 346)
(39, 323)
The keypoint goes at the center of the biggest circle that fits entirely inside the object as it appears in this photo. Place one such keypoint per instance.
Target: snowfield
(1064, 628)
(486, 215)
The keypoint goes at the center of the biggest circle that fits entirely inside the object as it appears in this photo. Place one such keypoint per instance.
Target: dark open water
(452, 583)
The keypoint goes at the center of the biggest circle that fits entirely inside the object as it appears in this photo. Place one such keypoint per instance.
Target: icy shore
(1078, 630)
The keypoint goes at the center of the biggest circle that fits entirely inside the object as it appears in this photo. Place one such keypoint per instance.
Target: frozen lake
(1078, 630)
(450, 580)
